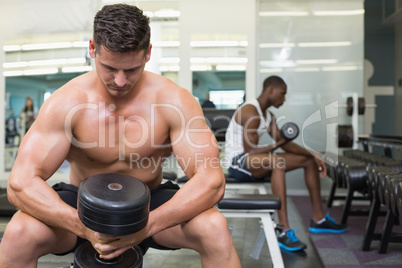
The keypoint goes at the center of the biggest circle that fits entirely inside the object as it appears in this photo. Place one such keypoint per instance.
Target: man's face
(278, 96)
(119, 72)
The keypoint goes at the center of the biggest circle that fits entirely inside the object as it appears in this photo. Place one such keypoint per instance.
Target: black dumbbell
(289, 131)
(114, 204)
(399, 198)
(394, 193)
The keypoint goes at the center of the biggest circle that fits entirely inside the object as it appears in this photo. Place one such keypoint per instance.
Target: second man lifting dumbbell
(253, 161)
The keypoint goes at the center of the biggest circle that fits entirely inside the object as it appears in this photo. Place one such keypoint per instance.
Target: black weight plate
(349, 106)
(345, 136)
(113, 203)
(86, 257)
(289, 131)
(362, 106)
(394, 191)
(399, 197)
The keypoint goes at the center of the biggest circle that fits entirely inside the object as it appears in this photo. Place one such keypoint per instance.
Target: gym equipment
(260, 206)
(348, 134)
(394, 192)
(6, 209)
(399, 201)
(218, 121)
(114, 204)
(361, 106)
(345, 136)
(289, 131)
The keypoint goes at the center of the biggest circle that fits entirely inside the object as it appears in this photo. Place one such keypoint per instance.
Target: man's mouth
(117, 88)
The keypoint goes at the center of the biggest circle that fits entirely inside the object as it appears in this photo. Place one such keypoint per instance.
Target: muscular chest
(101, 132)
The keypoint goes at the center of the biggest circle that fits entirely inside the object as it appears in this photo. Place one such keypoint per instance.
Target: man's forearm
(294, 148)
(38, 199)
(194, 197)
(267, 149)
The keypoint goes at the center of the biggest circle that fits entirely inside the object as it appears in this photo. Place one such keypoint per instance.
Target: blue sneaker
(288, 241)
(328, 225)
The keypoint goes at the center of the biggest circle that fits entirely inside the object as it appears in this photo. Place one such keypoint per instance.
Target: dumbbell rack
(355, 107)
(355, 121)
(378, 176)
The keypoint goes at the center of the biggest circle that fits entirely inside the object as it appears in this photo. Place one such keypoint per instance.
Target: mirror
(219, 89)
(24, 96)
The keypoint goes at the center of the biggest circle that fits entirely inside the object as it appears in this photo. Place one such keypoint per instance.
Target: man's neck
(264, 105)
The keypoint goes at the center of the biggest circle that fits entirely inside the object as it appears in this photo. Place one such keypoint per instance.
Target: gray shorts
(238, 169)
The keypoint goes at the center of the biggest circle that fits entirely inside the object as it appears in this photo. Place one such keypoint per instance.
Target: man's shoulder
(70, 94)
(248, 109)
(167, 91)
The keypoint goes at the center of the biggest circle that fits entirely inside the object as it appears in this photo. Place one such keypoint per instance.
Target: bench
(260, 206)
(237, 184)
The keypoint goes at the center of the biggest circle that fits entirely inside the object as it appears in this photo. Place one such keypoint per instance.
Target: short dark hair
(273, 80)
(121, 28)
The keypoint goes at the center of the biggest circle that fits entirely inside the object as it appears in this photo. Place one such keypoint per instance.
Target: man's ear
(148, 56)
(92, 49)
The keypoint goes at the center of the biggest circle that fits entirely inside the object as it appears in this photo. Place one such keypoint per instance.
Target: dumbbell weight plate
(394, 192)
(345, 136)
(114, 204)
(86, 256)
(349, 106)
(399, 197)
(362, 106)
(289, 131)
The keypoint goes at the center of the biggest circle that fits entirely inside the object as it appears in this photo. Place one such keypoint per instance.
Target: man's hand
(111, 246)
(322, 168)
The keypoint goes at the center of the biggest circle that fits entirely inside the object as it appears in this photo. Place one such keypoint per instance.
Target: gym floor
(244, 231)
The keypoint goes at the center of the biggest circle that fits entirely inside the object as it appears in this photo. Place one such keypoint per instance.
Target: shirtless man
(107, 121)
(253, 161)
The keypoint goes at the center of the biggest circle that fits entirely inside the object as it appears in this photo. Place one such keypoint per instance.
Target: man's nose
(120, 79)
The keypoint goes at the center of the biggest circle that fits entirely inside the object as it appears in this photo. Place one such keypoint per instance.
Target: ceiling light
(40, 46)
(9, 48)
(218, 43)
(47, 62)
(283, 13)
(282, 63)
(76, 69)
(319, 61)
(338, 12)
(307, 69)
(340, 68)
(81, 44)
(18, 64)
(218, 60)
(13, 73)
(276, 45)
(41, 71)
(200, 68)
(230, 67)
(325, 44)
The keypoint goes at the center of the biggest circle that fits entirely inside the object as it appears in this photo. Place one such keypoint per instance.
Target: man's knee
(310, 162)
(212, 226)
(212, 219)
(17, 227)
(23, 225)
(278, 162)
